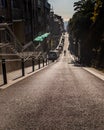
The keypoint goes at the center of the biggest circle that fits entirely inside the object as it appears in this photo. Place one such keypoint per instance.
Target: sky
(63, 8)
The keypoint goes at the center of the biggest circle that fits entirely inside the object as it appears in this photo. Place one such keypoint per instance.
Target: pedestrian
(64, 52)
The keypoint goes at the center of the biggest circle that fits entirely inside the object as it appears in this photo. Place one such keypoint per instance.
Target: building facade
(56, 29)
(27, 18)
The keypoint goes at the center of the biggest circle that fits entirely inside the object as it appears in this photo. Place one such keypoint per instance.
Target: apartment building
(27, 18)
(56, 28)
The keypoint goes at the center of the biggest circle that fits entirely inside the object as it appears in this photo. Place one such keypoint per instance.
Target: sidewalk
(16, 76)
(93, 71)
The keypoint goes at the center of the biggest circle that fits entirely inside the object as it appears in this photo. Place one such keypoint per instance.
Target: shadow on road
(76, 64)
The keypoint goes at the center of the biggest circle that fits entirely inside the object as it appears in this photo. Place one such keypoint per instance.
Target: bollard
(39, 63)
(23, 67)
(4, 71)
(43, 62)
(33, 63)
(46, 61)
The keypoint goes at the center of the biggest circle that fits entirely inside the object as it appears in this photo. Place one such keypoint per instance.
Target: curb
(95, 72)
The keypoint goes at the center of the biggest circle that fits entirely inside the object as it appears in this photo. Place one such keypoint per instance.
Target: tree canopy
(86, 29)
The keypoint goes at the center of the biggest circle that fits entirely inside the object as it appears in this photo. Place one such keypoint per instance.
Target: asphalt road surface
(63, 96)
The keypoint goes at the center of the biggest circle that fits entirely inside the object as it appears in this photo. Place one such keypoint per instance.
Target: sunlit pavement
(63, 96)
(15, 76)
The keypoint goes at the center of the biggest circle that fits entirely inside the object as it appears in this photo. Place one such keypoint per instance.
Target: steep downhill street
(62, 96)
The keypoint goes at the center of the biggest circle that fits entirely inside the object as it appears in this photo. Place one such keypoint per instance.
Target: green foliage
(80, 24)
(81, 21)
(97, 7)
(86, 28)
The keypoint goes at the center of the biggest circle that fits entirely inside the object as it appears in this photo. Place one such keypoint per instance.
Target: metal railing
(9, 44)
(25, 67)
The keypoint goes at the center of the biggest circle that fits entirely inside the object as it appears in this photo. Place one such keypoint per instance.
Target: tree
(86, 28)
(98, 30)
(79, 26)
(97, 8)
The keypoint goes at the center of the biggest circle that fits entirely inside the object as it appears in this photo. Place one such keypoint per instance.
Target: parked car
(53, 55)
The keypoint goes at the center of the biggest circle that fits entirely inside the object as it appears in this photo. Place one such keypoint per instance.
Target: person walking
(64, 52)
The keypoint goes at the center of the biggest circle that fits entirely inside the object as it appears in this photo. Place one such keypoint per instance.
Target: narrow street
(62, 96)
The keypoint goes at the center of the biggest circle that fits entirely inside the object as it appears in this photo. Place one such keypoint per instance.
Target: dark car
(53, 55)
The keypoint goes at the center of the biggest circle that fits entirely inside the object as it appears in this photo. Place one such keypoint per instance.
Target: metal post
(4, 71)
(43, 62)
(46, 61)
(39, 63)
(33, 63)
(23, 67)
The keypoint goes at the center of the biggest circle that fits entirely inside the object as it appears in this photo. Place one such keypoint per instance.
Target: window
(3, 3)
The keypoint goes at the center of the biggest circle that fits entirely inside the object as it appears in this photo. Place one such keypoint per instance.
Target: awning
(41, 37)
(38, 39)
(45, 35)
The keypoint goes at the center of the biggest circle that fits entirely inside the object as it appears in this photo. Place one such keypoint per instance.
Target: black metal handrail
(39, 61)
